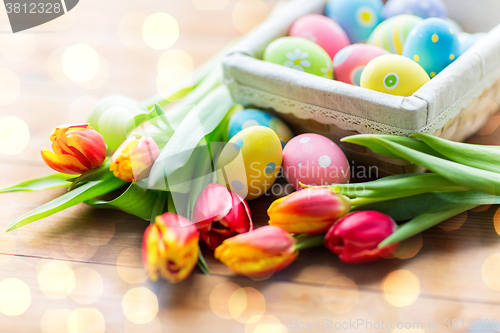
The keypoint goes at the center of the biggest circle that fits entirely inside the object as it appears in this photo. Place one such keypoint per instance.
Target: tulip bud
(259, 252)
(170, 248)
(77, 149)
(220, 214)
(356, 236)
(132, 161)
(308, 211)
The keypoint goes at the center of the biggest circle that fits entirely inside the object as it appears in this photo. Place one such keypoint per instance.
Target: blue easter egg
(421, 8)
(253, 117)
(358, 18)
(433, 44)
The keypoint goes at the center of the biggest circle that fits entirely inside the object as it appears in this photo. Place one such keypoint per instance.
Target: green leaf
(403, 209)
(135, 200)
(367, 140)
(99, 173)
(40, 183)
(477, 156)
(69, 199)
(159, 206)
(472, 178)
(202, 120)
(422, 223)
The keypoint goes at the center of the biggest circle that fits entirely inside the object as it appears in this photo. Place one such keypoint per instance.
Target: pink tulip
(220, 214)
(355, 237)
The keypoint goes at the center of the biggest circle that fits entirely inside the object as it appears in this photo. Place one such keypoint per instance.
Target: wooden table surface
(80, 270)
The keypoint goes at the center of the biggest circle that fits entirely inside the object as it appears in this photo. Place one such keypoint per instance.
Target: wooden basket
(453, 105)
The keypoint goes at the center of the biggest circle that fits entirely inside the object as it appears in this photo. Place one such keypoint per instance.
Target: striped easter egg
(391, 34)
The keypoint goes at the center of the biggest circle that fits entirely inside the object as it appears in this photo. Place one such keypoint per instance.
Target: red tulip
(220, 214)
(356, 236)
(77, 149)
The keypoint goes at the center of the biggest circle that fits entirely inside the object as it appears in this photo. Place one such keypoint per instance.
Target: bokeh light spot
(10, 86)
(88, 286)
(129, 266)
(86, 320)
(219, 299)
(14, 135)
(266, 324)
(453, 223)
(247, 14)
(100, 78)
(210, 4)
(15, 297)
(55, 321)
(130, 30)
(154, 326)
(80, 63)
(247, 305)
(140, 305)
(170, 75)
(342, 297)
(491, 271)
(496, 221)
(56, 279)
(490, 126)
(401, 288)
(175, 57)
(408, 248)
(160, 31)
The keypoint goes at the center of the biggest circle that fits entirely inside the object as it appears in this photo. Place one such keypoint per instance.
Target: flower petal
(290, 56)
(305, 63)
(63, 163)
(289, 64)
(299, 68)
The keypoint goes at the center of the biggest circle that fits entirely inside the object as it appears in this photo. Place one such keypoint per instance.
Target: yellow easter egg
(250, 162)
(394, 74)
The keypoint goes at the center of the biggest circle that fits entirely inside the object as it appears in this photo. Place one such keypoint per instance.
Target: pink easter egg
(323, 31)
(313, 159)
(349, 62)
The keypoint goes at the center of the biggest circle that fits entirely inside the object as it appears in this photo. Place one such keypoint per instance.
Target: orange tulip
(170, 248)
(259, 252)
(308, 211)
(132, 161)
(77, 149)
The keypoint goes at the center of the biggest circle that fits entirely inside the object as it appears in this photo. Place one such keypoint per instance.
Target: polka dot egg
(313, 159)
(350, 62)
(391, 34)
(421, 8)
(300, 54)
(250, 162)
(321, 30)
(358, 18)
(433, 44)
(394, 74)
(252, 117)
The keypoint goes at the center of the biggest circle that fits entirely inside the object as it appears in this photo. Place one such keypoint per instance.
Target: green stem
(422, 223)
(313, 241)
(171, 204)
(159, 206)
(202, 262)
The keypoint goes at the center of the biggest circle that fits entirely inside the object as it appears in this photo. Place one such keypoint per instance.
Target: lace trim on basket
(249, 95)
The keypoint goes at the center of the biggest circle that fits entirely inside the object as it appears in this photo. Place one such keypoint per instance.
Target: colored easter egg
(313, 159)
(420, 8)
(350, 62)
(252, 117)
(391, 34)
(358, 18)
(321, 30)
(300, 54)
(250, 162)
(433, 44)
(394, 74)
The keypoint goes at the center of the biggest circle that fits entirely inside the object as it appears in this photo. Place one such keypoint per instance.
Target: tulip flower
(170, 248)
(77, 149)
(220, 214)
(356, 236)
(308, 211)
(132, 161)
(259, 252)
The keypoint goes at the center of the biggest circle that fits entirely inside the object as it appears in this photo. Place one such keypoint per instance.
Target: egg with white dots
(254, 117)
(358, 18)
(421, 8)
(433, 44)
(313, 159)
(250, 162)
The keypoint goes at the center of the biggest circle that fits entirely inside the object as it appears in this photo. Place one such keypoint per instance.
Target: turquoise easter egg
(253, 117)
(300, 54)
(358, 18)
(392, 33)
(250, 162)
(433, 44)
